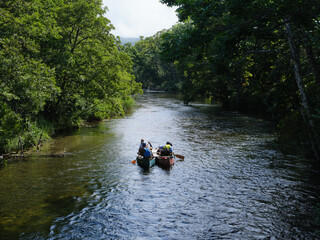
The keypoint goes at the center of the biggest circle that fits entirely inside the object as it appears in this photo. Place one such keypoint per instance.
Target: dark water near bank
(233, 184)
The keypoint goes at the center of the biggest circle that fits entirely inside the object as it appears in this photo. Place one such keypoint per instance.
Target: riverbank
(31, 140)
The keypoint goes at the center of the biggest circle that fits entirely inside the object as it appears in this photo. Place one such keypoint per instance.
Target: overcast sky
(134, 18)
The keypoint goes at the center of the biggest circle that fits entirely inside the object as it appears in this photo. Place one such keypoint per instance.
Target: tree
(149, 68)
(26, 82)
(244, 46)
(59, 65)
(89, 68)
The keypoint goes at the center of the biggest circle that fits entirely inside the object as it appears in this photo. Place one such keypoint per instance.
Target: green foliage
(59, 65)
(148, 66)
(237, 52)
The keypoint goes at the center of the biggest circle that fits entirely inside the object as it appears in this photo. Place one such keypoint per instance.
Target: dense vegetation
(59, 65)
(250, 55)
(149, 68)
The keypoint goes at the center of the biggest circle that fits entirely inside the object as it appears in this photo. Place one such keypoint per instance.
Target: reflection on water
(233, 184)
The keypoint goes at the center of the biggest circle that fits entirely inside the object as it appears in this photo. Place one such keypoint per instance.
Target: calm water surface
(233, 184)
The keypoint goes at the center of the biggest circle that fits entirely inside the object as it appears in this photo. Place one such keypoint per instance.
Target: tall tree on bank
(90, 70)
(244, 47)
(59, 65)
(26, 81)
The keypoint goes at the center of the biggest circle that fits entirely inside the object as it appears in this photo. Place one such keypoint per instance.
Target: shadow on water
(234, 183)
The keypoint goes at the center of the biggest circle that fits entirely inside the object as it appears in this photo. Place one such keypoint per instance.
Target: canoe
(164, 161)
(146, 163)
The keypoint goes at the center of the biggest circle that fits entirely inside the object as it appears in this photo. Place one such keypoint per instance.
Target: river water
(234, 183)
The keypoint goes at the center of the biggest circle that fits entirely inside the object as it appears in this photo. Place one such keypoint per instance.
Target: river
(234, 182)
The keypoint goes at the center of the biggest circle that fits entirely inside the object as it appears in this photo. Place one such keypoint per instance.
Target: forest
(60, 66)
(235, 89)
(251, 56)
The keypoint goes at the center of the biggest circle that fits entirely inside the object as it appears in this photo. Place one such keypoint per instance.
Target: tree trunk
(305, 110)
(238, 85)
(311, 58)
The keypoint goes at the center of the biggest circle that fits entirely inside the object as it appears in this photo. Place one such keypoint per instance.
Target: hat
(169, 143)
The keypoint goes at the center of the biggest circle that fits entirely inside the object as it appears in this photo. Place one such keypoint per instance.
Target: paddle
(134, 161)
(179, 156)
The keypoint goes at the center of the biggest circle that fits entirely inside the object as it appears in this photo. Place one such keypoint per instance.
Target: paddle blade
(179, 156)
(134, 161)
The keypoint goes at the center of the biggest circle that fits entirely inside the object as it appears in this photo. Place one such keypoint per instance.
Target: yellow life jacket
(167, 146)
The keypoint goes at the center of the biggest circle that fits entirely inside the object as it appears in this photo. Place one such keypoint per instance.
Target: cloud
(134, 18)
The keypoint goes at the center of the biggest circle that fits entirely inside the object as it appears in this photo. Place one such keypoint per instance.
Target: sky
(135, 18)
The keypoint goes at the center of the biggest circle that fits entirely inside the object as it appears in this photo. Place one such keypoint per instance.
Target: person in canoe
(146, 152)
(166, 150)
(141, 147)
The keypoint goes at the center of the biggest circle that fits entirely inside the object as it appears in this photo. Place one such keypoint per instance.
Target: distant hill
(129, 40)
